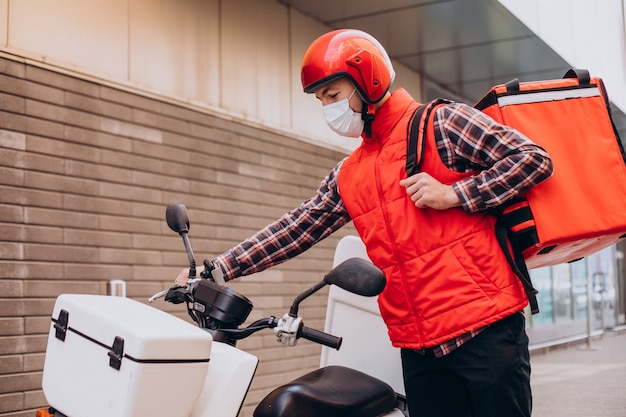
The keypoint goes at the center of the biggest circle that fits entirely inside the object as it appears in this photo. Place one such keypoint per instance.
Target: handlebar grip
(320, 337)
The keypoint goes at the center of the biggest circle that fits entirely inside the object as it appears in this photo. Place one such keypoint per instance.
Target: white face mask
(342, 119)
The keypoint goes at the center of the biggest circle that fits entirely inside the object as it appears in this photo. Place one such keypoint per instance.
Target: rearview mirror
(358, 276)
(177, 218)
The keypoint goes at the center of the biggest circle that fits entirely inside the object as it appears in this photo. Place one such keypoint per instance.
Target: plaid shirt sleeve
(507, 162)
(292, 234)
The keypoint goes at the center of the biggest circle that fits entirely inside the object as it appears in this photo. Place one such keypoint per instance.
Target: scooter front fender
(227, 382)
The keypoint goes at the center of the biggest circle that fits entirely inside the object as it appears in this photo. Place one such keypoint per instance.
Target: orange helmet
(348, 53)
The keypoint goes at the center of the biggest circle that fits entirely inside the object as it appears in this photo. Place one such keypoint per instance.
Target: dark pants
(489, 376)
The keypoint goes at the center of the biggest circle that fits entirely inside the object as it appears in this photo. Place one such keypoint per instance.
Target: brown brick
(13, 85)
(29, 89)
(33, 400)
(61, 183)
(12, 345)
(192, 116)
(98, 172)
(11, 103)
(98, 139)
(29, 413)
(11, 140)
(97, 238)
(131, 161)
(10, 271)
(43, 163)
(130, 130)
(43, 128)
(96, 205)
(57, 253)
(91, 272)
(131, 100)
(96, 106)
(11, 326)
(150, 211)
(12, 364)
(155, 181)
(13, 269)
(62, 114)
(127, 224)
(63, 149)
(158, 272)
(181, 141)
(12, 121)
(41, 234)
(130, 257)
(192, 172)
(60, 218)
(20, 382)
(11, 402)
(160, 121)
(172, 242)
(10, 288)
(10, 176)
(35, 361)
(130, 192)
(37, 325)
(158, 151)
(45, 288)
(29, 197)
(11, 250)
(61, 81)
(12, 68)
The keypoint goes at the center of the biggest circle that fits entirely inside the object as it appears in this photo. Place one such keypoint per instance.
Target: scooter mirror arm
(293, 311)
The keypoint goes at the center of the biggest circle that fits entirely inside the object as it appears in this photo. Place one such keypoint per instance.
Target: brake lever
(178, 288)
(158, 295)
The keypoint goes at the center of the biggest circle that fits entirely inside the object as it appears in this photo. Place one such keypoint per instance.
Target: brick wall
(86, 171)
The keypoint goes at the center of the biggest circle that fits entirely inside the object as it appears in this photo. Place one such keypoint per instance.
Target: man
(452, 303)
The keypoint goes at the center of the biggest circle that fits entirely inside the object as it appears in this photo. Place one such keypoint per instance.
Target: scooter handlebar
(320, 337)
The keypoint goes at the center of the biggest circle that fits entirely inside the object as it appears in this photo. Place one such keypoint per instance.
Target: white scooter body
(228, 380)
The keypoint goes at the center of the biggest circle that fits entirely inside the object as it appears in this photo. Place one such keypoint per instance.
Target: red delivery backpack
(581, 209)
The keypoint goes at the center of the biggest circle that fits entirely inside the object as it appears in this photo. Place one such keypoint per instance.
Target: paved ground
(579, 381)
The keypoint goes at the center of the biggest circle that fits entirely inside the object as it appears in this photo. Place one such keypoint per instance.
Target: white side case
(162, 359)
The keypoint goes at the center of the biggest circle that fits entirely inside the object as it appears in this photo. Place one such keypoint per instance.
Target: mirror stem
(293, 311)
(190, 255)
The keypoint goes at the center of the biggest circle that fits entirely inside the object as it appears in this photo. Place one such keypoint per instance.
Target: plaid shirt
(507, 163)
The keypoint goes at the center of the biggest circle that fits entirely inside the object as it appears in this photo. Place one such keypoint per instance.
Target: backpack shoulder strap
(416, 133)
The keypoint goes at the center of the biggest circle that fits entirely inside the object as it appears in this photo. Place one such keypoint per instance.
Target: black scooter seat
(332, 391)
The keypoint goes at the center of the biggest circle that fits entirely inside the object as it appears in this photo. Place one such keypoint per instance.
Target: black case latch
(61, 324)
(116, 353)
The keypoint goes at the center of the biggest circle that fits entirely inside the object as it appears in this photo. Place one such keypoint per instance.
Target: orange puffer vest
(446, 274)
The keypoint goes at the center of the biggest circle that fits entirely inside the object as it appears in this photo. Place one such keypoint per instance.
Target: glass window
(562, 292)
(542, 281)
(579, 288)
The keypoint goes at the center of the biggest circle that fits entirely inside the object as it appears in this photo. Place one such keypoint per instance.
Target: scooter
(330, 391)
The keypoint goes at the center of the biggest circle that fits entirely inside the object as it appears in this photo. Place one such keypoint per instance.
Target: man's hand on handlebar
(183, 275)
